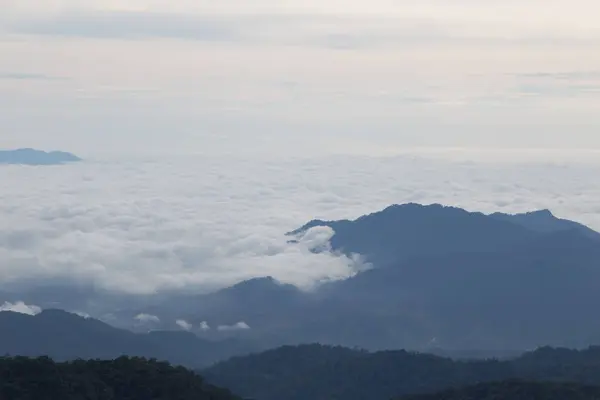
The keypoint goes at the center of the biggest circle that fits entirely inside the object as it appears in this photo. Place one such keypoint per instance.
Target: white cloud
(20, 307)
(198, 223)
(240, 326)
(317, 238)
(183, 324)
(204, 326)
(82, 314)
(146, 318)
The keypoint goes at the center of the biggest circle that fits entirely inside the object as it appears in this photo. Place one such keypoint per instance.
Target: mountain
(65, 336)
(321, 372)
(123, 378)
(444, 280)
(544, 221)
(36, 157)
(539, 294)
(516, 390)
(403, 232)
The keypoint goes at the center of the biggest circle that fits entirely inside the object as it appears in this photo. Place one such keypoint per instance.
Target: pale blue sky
(298, 76)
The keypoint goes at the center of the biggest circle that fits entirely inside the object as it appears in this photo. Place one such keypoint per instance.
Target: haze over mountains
(441, 279)
(65, 336)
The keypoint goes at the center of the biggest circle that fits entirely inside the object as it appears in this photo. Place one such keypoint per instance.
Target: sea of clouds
(200, 223)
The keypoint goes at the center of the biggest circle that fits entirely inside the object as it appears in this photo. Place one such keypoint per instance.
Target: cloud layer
(183, 324)
(199, 223)
(20, 307)
(240, 326)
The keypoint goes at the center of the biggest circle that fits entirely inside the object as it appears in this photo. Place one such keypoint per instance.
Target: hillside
(516, 390)
(64, 336)
(121, 379)
(320, 372)
(447, 278)
(456, 282)
(403, 232)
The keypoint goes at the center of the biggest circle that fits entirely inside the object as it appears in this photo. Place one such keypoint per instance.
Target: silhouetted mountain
(446, 278)
(122, 379)
(36, 157)
(516, 390)
(453, 282)
(403, 232)
(320, 372)
(542, 293)
(65, 336)
(262, 302)
(545, 222)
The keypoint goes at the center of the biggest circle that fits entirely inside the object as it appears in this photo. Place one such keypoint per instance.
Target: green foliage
(125, 378)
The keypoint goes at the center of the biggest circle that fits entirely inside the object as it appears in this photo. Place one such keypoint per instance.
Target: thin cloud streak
(333, 30)
(28, 76)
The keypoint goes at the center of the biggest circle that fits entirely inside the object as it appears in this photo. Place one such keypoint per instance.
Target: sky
(298, 77)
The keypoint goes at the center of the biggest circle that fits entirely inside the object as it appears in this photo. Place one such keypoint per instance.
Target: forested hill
(322, 373)
(121, 379)
(516, 390)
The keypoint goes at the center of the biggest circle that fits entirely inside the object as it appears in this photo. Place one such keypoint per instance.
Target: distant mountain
(321, 372)
(36, 157)
(66, 336)
(516, 390)
(123, 378)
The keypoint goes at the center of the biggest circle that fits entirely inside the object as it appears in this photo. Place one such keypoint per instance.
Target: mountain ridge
(66, 336)
(447, 294)
(335, 372)
(29, 156)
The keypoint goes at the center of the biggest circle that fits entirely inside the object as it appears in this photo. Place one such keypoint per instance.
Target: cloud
(329, 26)
(199, 223)
(146, 318)
(27, 76)
(20, 307)
(563, 84)
(82, 314)
(204, 326)
(316, 237)
(186, 326)
(129, 25)
(240, 326)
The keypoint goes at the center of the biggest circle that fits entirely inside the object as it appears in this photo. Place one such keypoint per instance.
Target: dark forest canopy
(322, 373)
(516, 390)
(121, 379)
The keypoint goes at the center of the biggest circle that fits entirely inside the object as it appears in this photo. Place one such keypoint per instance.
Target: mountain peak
(541, 213)
(404, 231)
(544, 221)
(261, 285)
